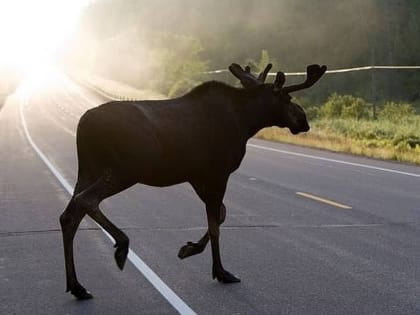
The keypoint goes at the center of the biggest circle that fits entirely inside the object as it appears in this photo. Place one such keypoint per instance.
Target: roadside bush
(312, 112)
(396, 111)
(345, 106)
(406, 139)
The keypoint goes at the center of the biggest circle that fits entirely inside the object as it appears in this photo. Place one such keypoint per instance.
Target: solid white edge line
(141, 266)
(332, 160)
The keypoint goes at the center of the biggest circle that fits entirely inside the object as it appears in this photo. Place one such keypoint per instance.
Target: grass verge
(384, 140)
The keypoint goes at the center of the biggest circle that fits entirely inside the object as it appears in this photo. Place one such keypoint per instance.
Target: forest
(169, 45)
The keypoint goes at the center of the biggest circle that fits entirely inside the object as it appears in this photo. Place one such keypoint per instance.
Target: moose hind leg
(81, 203)
(70, 220)
(192, 248)
(121, 239)
(111, 184)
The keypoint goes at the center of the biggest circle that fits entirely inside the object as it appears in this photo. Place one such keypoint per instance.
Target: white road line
(334, 161)
(141, 266)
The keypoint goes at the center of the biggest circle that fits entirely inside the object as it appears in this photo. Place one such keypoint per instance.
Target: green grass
(383, 139)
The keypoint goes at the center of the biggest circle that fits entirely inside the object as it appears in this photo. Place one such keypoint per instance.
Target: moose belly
(167, 170)
(160, 179)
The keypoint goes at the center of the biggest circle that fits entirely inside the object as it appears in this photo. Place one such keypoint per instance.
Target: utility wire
(365, 68)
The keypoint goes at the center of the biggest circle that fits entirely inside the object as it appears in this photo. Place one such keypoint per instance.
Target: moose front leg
(213, 218)
(211, 192)
(192, 248)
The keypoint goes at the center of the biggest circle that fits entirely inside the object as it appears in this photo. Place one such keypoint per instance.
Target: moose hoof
(190, 249)
(225, 276)
(121, 254)
(81, 293)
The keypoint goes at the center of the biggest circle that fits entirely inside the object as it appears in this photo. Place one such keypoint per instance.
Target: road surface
(307, 231)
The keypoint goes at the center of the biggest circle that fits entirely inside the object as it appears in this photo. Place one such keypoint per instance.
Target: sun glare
(31, 31)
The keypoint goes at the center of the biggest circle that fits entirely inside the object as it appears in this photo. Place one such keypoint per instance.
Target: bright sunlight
(32, 31)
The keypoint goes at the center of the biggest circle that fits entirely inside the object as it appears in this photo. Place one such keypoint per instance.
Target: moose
(199, 138)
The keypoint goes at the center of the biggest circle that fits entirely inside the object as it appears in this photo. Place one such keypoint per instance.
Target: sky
(31, 31)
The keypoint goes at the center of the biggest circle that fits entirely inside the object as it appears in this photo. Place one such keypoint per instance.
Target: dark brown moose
(199, 138)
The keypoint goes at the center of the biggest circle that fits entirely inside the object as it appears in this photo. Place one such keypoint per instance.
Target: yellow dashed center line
(329, 202)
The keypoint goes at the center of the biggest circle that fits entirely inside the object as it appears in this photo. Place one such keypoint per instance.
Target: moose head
(287, 113)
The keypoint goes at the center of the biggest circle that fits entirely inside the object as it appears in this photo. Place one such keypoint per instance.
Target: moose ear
(279, 81)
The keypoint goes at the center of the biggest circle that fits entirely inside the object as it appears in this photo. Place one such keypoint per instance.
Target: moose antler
(246, 77)
(279, 81)
(313, 74)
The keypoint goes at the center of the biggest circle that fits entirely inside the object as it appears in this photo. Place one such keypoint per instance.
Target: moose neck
(253, 111)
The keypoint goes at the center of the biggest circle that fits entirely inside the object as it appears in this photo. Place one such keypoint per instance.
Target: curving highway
(307, 231)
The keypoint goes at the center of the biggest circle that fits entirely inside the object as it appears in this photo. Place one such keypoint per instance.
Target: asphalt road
(307, 231)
